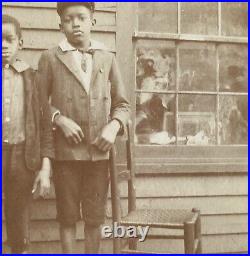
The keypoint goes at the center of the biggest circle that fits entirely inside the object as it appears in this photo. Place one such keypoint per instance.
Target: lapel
(97, 66)
(68, 60)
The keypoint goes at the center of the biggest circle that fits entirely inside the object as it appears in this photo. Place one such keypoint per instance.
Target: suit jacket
(39, 137)
(61, 80)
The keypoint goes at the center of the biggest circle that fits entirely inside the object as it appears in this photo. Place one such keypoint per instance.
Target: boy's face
(11, 43)
(76, 23)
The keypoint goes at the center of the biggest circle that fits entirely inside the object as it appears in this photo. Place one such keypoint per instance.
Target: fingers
(75, 137)
(35, 185)
(80, 132)
(102, 144)
(44, 189)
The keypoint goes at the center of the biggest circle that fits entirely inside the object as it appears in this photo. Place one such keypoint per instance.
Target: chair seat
(161, 218)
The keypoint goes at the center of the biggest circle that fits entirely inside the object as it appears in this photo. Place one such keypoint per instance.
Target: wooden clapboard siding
(40, 27)
(214, 184)
(211, 244)
(45, 39)
(47, 230)
(108, 6)
(217, 205)
(104, 20)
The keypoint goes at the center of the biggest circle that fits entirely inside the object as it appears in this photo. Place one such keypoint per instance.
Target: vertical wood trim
(125, 22)
(217, 114)
(219, 19)
(177, 91)
(179, 18)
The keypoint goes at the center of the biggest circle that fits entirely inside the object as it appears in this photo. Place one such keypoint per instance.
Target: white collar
(94, 45)
(19, 65)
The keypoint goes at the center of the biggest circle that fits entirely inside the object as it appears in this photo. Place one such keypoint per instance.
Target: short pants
(81, 191)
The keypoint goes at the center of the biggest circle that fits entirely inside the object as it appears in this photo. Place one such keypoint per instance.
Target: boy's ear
(20, 44)
(93, 22)
(61, 27)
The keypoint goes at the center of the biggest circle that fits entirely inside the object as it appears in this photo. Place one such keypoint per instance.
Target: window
(191, 74)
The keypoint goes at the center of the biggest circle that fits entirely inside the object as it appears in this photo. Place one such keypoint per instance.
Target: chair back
(126, 175)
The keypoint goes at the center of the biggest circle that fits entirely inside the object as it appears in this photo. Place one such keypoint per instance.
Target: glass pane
(156, 65)
(234, 19)
(155, 115)
(233, 120)
(158, 17)
(199, 18)
(196, 120)
(197, 67)
(233, 68)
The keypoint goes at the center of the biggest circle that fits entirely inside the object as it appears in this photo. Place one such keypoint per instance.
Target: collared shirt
(13, 102)
(78, 56)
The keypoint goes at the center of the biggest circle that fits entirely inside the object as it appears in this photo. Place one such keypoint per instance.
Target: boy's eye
(10, 39)
(67, 19)
(82, 18)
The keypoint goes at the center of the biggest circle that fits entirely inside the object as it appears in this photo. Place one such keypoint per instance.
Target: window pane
(199, 18)
(233, 68)
(233, 120)
(158, 17)
(155, 114)
(156, 65)
(234, 19)
(197, 67)
(196, 120)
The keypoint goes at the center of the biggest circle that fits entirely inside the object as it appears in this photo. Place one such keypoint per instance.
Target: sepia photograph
(124, 127)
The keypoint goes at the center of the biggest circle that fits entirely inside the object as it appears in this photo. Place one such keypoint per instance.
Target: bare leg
(92, 239)
(68, 238)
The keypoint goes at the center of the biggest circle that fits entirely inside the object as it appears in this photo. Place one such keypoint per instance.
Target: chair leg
(132, 244)
(116, 245)
(198, 232)
(189, 237)
(198, 235)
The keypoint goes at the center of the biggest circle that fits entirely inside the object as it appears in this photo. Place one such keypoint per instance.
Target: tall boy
(24, 142)
(89, 109)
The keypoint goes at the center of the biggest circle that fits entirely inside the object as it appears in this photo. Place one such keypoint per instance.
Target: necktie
(84, 59)
(84, 63)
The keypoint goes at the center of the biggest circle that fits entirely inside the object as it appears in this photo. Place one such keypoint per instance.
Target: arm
(120, 111)
(120, 107)
(43, 86)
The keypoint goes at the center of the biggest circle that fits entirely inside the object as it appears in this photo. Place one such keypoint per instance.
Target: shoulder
(102, 49)
(48, 54)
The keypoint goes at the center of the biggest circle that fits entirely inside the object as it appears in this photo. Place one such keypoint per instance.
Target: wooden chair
(187, 220)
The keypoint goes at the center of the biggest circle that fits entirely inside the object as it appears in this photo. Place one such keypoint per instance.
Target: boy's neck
(84, 45)
(11, 62)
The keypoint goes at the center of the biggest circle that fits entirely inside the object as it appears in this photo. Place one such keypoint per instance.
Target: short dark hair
(11, 20)
(61, 6)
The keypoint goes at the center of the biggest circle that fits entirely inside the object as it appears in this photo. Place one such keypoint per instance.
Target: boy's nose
(76, 22)
(4, 44)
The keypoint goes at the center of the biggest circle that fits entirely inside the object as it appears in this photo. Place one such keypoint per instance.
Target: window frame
(201, 154)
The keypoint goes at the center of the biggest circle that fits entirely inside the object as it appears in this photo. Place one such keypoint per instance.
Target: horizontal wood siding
(40, 25)
(218, 189)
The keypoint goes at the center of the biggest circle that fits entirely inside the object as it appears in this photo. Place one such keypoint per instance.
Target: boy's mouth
(78, 33)
(5, 54)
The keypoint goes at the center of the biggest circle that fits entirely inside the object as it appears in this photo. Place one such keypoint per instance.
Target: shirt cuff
(121, 126)
(54, 116)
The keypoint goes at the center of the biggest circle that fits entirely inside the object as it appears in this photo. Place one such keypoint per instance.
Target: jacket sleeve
(120, 107)
(43, 84)
(44, 78)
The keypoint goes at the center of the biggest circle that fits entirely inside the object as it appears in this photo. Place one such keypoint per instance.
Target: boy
(21, 150)
(89, 109)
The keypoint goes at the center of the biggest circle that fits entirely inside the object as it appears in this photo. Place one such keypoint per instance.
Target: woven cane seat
(158, 218)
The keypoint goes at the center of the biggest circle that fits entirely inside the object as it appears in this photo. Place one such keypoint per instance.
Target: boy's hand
(70, 129)
(105, 141)
(42, 181)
